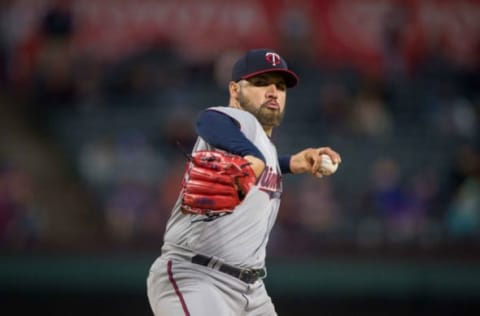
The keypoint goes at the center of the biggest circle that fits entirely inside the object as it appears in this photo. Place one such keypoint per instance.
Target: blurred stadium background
(94, 96)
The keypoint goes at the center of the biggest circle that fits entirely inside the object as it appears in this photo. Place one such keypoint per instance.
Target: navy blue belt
(246, 275)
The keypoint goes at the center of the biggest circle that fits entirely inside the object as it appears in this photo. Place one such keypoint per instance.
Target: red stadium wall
(329, 31)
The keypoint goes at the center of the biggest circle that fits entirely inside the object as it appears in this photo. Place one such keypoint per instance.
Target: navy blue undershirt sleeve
(284, 162)
(223, 132)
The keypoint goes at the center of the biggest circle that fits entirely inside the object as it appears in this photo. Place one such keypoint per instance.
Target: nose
(272, 91)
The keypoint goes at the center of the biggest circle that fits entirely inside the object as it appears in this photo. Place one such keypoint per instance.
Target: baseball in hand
(327, 167)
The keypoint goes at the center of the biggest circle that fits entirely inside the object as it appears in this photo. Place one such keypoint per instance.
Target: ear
(233, 88)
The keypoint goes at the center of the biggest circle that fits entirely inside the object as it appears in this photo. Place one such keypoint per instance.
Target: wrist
(298, 162)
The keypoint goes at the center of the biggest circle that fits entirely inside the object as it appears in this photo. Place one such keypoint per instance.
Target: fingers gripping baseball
(216, 182)
(324, 161)
(316, 161)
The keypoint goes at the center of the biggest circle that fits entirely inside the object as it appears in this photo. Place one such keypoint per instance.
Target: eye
(259, 82)
(281, 86)
(263, 82)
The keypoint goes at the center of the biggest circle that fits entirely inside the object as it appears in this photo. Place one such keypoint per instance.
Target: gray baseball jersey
(238, 239)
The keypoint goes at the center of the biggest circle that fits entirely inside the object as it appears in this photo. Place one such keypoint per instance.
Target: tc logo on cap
(260, 61)
(273, 58)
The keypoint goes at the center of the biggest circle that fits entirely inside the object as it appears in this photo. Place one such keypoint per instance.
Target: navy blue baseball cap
(260, 61)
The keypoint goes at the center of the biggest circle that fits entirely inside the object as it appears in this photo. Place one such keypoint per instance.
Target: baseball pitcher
(213, 257)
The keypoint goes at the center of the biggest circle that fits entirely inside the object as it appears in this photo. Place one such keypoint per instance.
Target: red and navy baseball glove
(215, 183)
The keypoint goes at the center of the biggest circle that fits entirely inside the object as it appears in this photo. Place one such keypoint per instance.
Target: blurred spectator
(318, 210)
(296, 33)
(465, 119)
(125, 209)
(125, 156)
(463, 212)
(388, 200)
(222, 68)
(421, 221)
(423, 190)
(124, 170)
(53, 84)
(3, 44)
(369, 115)
(456, 117)
(89, 81)
(396, 41)
(387, 191)
(96, 163)
(9, 32)
(21, 223)
(289, 236)
(169, 185)
(165, 194)
(147, 72)
(335, 103)
(178, 132)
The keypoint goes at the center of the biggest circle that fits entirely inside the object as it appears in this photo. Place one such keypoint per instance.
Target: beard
(267, 117)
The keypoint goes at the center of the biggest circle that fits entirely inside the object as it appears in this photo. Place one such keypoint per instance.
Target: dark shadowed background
(95, 95)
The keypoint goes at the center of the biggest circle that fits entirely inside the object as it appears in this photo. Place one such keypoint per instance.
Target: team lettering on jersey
(270, 182)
